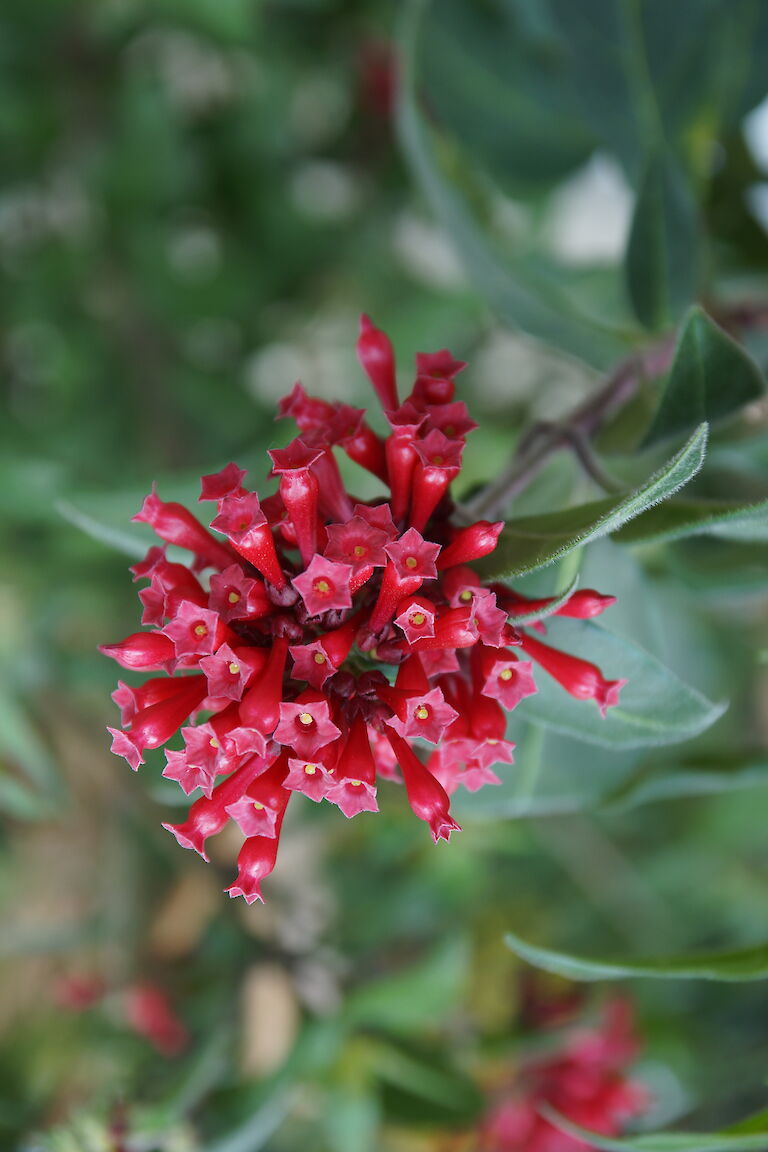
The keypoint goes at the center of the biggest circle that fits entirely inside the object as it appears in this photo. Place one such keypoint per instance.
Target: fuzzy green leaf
(531, 542)
(711, 378)
(681, 517)
(655, 706)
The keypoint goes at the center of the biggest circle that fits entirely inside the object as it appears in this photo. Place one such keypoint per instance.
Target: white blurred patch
(426, 252)
(755, 130)
(317, 352)
(194, 252)
(325, 191)
(508, 370)
(757, 201)
(589, 215)
(197, 76)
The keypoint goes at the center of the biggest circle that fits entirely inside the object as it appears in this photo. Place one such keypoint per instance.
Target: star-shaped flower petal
(324, 585)
(357, 543)
(193, 630)
(309, 777)
(509, 681)
(412, 555)
(306, 726)
(228, 672)
(426, 717)
(227, 482)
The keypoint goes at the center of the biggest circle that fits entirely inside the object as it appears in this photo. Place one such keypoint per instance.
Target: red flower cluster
(586, 1082)
(332, 634)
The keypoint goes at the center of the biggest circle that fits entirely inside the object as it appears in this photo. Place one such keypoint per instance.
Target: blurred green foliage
(198, 197)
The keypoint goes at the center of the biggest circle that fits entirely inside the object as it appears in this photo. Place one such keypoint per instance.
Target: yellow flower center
(306, 719)
(422, 712)
(234, 668)
(234, 597)
(465, 596)
(356, 783)
(259, 807)
(200, 630)
(506, 674)
(214, 742)
(322, 586)
(359, 550)
(418, 619)
(411, 562)
(319, 658)
(310, 769)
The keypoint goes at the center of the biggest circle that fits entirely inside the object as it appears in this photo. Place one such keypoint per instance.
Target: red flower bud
(470, 544)
(374, 351)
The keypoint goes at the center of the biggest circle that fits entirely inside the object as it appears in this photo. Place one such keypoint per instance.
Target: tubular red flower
(174, 524)
(426, 796)
(299, 490)
(377, 359)
(146, 651)
(243, 521)
(260, 707)
(581, 679)
(392, 638)
(208, 815)
(471, 543)
(256, 860)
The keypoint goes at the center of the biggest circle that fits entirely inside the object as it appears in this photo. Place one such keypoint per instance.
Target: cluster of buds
(584, 1081)
(331, 638)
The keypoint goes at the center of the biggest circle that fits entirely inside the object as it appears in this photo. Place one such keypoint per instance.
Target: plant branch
(582, 423)
(578, 428)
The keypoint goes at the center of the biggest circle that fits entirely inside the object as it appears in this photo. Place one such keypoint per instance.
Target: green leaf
(749, 1136)
(527, 300)
(736, 966)
(698, 775)
(661, 257)
(132, 542)
(680, 517)
(655, 706)
(711, 378)
(531, 542)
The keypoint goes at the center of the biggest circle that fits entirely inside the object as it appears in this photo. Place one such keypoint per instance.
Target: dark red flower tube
(426, 795)
(260, 707)
(581, 679)
(208, 815)
(153, 725)
(142, 650)
(377, 359)
(176, 525)
(257, 859)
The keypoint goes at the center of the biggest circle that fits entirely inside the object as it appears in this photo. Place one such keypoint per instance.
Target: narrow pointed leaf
(679, 518)
(751, 1136)
(531, 542)
(711, 378)
(735, 966)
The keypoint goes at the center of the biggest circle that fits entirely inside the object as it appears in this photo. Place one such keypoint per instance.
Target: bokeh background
(198, 199)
